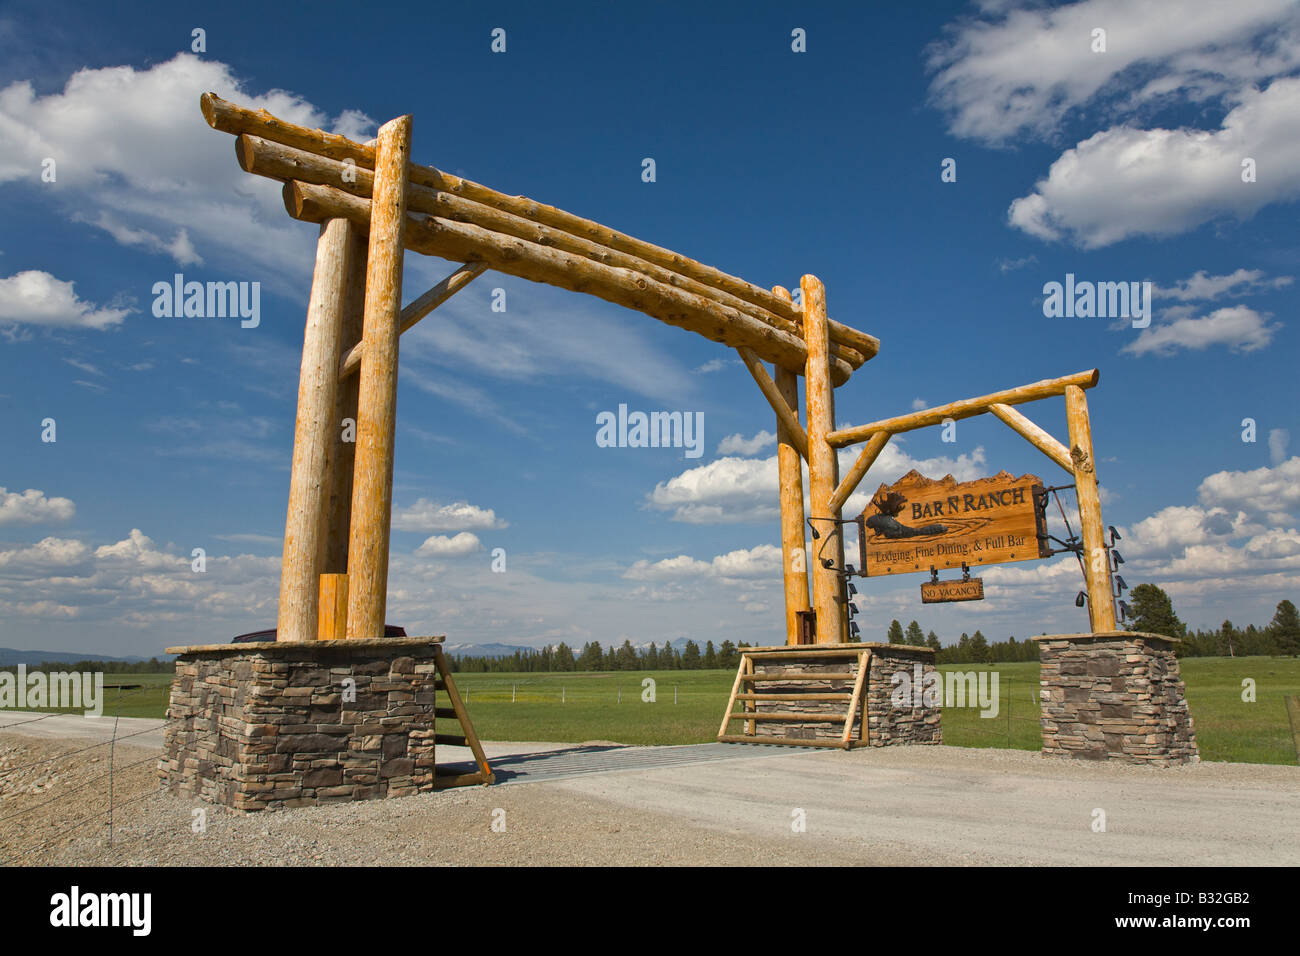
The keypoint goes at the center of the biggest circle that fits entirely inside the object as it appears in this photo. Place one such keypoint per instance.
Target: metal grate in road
(582, 761)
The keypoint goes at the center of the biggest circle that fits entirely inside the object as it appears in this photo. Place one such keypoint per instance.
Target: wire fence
(13, 821)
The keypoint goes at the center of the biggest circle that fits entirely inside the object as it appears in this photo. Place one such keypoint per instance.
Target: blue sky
(175, 434)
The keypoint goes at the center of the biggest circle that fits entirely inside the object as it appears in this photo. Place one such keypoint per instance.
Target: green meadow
(687, 706)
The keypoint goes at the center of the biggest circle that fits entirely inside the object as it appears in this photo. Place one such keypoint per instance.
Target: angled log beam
(231, 118)
(785, 415)
(870, 452)
(372, 480)
(307, 519)
(1036, 436)
(965, 408)
(276, 161)
(463, 242)
(417, 310)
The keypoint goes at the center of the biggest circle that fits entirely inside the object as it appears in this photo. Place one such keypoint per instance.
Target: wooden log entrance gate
(372, 203)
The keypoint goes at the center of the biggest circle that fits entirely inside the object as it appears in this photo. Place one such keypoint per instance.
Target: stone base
(261, 726)
(887, 723)
(1115, 696)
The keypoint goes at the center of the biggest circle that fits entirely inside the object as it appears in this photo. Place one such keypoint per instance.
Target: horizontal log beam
(1036, 436)
(966, 408)
(788, 417)
(849, 484)
(273, 160)
(230, 118)
(463, 242)
(418, 309)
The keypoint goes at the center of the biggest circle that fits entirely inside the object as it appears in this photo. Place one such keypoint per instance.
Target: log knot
(1082, 460)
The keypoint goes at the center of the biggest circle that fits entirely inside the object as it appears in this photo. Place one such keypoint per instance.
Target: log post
(308, 512)
(372, 479)
(1096, 562)
(823, 467)
(343, 447)
(794, 552)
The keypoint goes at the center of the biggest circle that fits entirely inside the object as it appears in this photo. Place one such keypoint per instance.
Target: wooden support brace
(965, 408)
(1036, 436)
(418, 309)
(787, 416)
(875, 445)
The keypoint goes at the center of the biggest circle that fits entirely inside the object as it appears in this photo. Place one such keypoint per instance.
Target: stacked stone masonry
(888, 723)
(270, 725)
(1115, 696)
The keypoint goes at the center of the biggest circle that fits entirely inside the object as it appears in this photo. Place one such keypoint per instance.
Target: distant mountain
(10, 657)
(486, 650)
(505, 650)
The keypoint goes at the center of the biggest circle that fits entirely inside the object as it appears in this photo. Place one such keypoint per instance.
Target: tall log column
(823, 467)
(1096, 563)
(372, 479)
(794, 567)
(343, 452)
(307, 519)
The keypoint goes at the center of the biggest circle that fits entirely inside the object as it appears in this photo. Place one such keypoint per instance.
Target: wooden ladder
(484, 774)
(746, 676)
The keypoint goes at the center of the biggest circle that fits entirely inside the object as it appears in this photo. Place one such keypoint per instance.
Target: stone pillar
(261, 726)
(1116, 695)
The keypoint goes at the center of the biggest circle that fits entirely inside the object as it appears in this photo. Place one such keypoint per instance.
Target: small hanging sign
(937, 592)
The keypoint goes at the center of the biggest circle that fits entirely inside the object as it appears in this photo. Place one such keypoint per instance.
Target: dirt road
(716, 804)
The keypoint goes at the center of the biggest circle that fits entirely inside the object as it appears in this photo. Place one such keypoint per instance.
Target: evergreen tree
(895, 633)
(728, 659)
(914, 636)
(710, 657)
(626, 657)
(932, 641)
(691, 656)
(1153, 612)
(563, 658)
(592, 657)
(1228, 639)
(652, 658)
(1285, 629)
(979, 648)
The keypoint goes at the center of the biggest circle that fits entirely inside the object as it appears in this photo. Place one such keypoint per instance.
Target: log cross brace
(789, 417)
(417, 310)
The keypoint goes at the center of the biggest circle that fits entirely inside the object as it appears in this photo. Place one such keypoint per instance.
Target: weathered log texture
(343, 445)
(789, 461)
(372, 481)
(1096, 562)
(823, 468)
(1036, 436)
(464, 242)
(418, 309)
(306, 522)
(231, 118)
(966, 408)
(870, 452)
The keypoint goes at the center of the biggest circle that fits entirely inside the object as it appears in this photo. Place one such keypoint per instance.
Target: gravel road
(901, 806)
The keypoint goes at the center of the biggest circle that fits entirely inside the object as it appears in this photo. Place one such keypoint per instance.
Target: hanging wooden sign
(918, 523)
(939, 592)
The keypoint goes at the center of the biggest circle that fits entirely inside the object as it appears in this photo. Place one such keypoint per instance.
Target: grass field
(574, 707)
